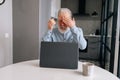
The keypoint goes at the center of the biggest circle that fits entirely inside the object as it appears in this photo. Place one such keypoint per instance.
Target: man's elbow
(84, 46)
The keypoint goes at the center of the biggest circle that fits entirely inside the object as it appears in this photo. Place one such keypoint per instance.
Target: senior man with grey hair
(66, 30)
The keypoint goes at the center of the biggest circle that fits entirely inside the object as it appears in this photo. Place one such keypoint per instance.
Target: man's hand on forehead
(69, 22)
(66, 15)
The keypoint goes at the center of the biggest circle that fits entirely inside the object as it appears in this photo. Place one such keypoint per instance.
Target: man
(66, 30)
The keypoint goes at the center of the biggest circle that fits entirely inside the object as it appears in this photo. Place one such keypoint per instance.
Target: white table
(30, 70)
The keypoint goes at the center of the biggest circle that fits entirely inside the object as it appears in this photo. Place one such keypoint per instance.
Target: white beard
(62, 31)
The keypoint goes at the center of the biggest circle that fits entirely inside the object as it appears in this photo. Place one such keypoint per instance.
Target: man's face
(61, 17)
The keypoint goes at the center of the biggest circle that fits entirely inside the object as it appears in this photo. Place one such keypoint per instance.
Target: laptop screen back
(59, 55)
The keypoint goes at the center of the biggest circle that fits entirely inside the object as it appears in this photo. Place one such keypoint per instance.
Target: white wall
(55, 6)
(44, 16)
(25, 30)
(6, 33)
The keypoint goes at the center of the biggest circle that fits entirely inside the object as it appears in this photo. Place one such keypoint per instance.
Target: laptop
(59, 55)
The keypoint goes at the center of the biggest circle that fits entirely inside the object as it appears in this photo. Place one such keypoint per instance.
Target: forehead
(64, 14)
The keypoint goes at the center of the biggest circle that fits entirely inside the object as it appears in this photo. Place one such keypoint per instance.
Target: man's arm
(78, 37)
(48, 36)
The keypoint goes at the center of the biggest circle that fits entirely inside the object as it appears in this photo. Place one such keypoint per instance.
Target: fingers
(69, 22)
(51, 23)
(66, 20)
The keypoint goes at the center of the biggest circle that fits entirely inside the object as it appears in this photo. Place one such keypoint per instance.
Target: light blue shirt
(73, 34)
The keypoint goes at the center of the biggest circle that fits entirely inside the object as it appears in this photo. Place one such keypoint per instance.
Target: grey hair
(65, 10)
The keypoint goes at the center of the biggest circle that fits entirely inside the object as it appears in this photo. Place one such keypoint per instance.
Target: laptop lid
(59, 55)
